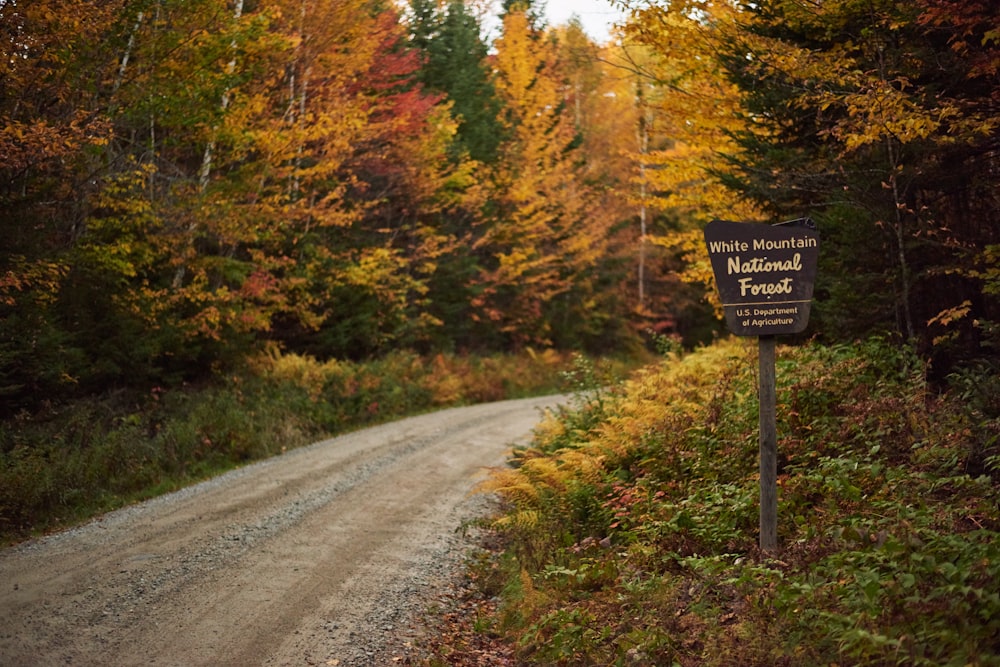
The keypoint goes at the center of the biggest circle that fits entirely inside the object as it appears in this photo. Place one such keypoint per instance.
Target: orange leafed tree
(182, 177)
(543, 236)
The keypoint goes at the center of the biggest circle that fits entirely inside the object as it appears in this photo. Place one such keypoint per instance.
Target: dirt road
(318, 557)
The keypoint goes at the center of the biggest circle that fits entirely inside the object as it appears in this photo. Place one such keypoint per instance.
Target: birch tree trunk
(205, 173)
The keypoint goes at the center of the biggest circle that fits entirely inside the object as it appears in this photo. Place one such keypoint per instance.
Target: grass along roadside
(630, 530)
(74, 461)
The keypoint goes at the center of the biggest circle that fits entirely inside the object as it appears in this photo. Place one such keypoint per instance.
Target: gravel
(326, 555)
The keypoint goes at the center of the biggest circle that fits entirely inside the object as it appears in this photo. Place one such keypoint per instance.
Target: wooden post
(774, 299)
(768, 447)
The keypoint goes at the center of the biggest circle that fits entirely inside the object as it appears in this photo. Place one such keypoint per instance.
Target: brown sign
(765, 274)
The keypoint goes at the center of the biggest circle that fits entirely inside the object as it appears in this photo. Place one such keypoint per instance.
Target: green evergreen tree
(456, 65)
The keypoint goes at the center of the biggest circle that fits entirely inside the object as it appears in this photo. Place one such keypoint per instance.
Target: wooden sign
(765, 274)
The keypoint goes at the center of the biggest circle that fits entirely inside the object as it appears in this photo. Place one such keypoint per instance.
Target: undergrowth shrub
(71, 461)
(632, 521)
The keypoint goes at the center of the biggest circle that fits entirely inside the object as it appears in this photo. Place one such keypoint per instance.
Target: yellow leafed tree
(692, 113)
(543, 235)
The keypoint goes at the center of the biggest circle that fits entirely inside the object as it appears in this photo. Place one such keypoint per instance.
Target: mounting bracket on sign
(797, 222)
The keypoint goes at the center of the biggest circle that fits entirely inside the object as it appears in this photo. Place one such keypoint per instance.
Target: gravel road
(326, 555)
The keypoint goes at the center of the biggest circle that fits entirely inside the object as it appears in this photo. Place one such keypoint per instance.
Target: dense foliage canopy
(184, 182)
(879, 119)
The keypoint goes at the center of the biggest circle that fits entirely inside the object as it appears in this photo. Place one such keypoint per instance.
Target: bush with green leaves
(71, 460)
(633, 536)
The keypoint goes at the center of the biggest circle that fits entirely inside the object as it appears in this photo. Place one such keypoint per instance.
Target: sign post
(768, 445)
(765, 276)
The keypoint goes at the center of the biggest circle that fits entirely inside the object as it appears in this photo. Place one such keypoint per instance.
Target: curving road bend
(318, 557)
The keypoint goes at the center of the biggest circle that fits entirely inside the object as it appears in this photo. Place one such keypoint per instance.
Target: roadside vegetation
(629, 535)
(189, 186)
(71, 460)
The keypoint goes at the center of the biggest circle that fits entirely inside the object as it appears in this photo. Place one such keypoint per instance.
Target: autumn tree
(681, 143)
(455, 65)
(399, 174)
(877, 119)
(541, 242)
(55, 65)
(221, 172)
(531, 10)
(341, 176)
(639, 284)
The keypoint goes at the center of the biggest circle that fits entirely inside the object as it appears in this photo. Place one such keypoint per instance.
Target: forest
(186, 183)
(233, 227)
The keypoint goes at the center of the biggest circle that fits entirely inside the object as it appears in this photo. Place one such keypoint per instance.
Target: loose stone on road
(320, 556)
